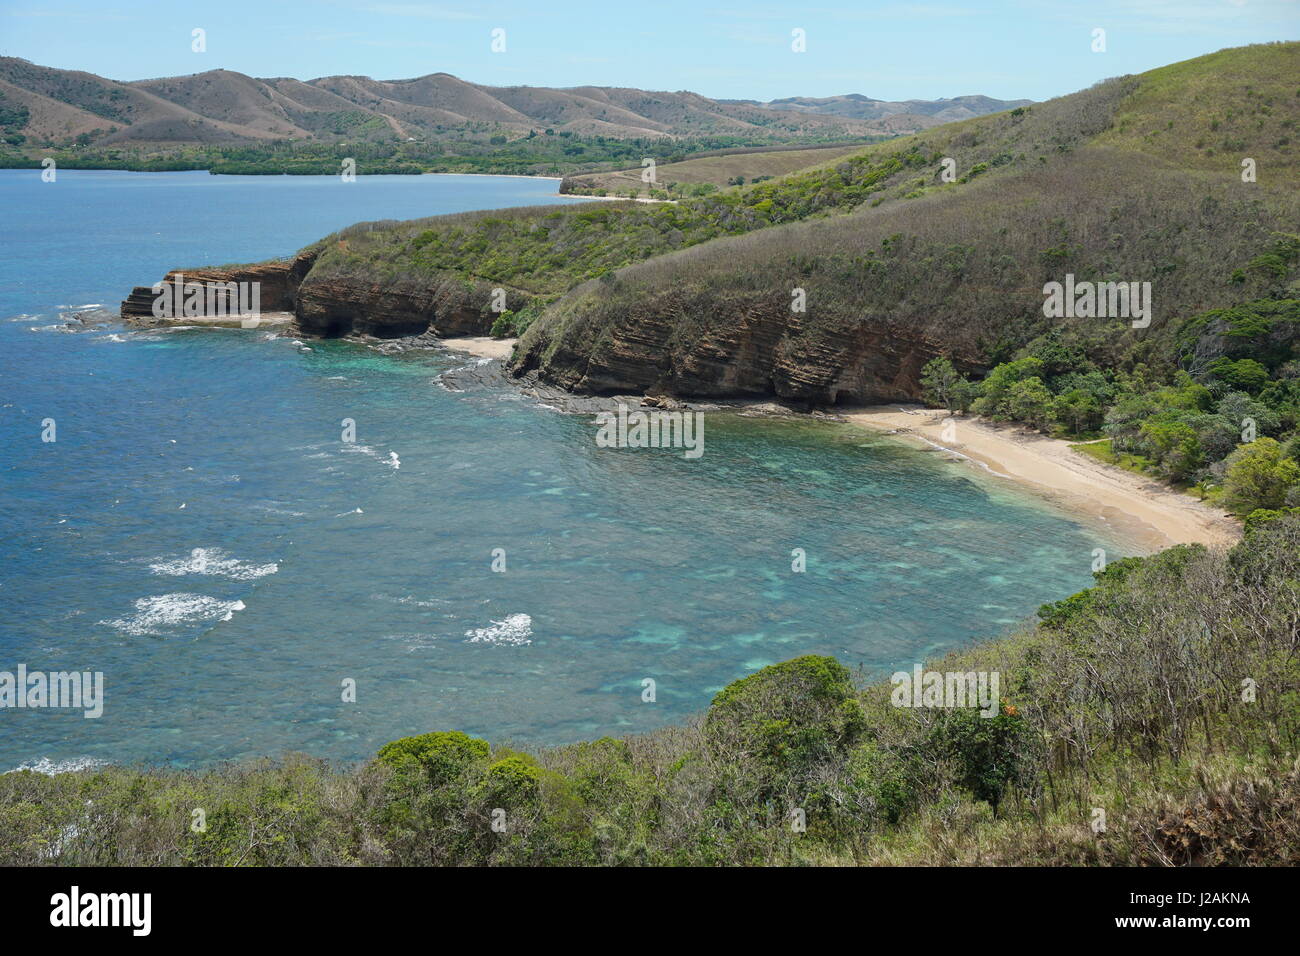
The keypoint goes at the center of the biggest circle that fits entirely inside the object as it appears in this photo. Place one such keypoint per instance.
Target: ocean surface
(200, 534)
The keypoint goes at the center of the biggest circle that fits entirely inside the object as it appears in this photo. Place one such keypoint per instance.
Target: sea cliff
(332, 305)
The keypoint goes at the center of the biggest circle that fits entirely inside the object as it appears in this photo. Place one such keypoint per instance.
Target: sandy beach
(482, 346)
(1140, 509)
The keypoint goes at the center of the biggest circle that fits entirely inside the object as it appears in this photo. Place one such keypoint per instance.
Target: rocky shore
(330, 306)
(737, 370)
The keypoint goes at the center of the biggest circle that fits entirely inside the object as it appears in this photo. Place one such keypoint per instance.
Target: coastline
(1132, 509)
(1151, 514)
(481, 346)
(558, 179)
(671, 202)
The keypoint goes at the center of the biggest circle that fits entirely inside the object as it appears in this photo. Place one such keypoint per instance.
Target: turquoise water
(200, 534)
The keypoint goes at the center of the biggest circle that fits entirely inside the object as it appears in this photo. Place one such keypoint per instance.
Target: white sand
(482, 346)
(1153, 515)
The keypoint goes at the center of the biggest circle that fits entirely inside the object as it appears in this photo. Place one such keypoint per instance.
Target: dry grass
(719, 171)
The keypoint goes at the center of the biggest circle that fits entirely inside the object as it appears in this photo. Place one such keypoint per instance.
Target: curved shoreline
(1153, 515)
(1130, 508)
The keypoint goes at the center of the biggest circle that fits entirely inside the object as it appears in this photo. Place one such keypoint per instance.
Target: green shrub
(787, 717)
(503, 327)
(988, 753)
(1258, 476)
(442, 756)
(1262, 516)
(511, 781)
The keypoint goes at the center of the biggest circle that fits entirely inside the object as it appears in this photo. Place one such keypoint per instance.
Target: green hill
(1081, 184)
(1105, 184)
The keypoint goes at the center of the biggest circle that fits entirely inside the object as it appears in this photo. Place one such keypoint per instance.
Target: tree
(1079, 410)
(1245, 375)
(995, 390)
(940, 382)
(503, 327)
(785, 720)
(1029, 401)
(1258, 476)
(1238, 406)
(964, 393)
(1177, 448)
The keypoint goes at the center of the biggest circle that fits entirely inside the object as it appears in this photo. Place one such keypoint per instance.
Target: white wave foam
(392, 461)
(49, 767)
(170, 610)
(515, 631)
(269, 509)
(214, 561)
(411, 600)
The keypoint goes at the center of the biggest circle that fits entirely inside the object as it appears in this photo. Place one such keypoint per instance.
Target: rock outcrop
(333, 306)
(277, 289)
(761, 350)
(338, 305)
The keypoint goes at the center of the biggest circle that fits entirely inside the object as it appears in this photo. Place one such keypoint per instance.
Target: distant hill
(907, 116)
(53, 106)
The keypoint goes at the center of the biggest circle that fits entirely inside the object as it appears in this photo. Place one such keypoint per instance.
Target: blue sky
(721, 48)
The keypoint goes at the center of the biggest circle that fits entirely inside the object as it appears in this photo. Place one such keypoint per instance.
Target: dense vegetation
(542, 153)
(1166, 697)
(1216, 405)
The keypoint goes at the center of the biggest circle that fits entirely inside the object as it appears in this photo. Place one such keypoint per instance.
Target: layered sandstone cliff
(277, 285)
(333, 305)
(761, 350)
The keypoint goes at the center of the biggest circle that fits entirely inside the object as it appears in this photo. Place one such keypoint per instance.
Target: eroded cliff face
(334, 306)
(339, 305)
(277, 283)
(756, 349)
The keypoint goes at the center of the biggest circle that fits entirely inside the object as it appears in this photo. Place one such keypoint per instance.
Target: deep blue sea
(200, 534)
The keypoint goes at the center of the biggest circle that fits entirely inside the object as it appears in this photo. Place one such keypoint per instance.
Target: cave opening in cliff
(337, 327)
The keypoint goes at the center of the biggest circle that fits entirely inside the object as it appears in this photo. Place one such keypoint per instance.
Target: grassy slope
(966, 270)
(1127, 698)
(1059, 186)
(548, 250)
(712, 170)
(1212, 111)
(545, 251)
(1084, 184)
